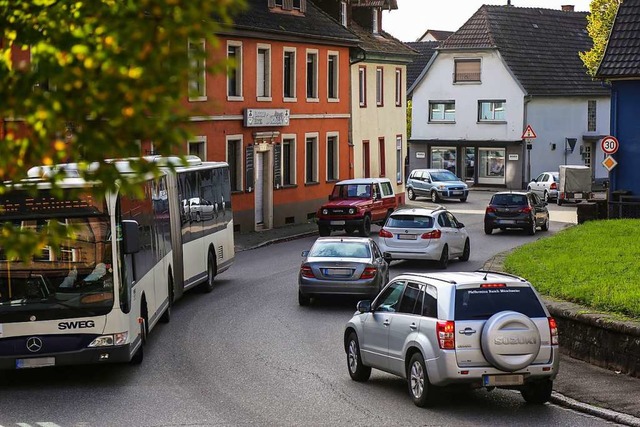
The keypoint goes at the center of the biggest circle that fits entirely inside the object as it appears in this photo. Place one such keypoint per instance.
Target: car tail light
(490, 209)
(554, 186)
(435, 234)
(446, 335)
(368, 273)
(385, 233)
(306, 271)
(493, 285)
(553, 328)
(526, 209)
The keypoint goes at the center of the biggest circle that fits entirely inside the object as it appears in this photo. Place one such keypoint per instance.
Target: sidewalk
(579, 385)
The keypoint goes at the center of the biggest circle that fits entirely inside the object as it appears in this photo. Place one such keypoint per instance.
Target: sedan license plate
(407, 236)
(502, 380)
(36, 362)
(337, 222)
(337, 272)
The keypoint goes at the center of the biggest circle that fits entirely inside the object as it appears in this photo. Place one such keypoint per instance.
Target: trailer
(575, 184)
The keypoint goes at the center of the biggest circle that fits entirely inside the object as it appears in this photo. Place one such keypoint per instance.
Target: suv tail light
(526, 209)
(369, 273)
(554, 186)
(490, 209)
(553, 328)
(306, 271)
(435, 234)
(446, 335)
(385, 233)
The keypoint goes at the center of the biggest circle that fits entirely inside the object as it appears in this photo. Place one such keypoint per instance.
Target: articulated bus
(96, 299)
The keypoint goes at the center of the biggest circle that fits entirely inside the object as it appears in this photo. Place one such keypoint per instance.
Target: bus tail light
(446, 335)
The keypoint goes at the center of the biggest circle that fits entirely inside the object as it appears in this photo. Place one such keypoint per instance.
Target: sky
(414, 17)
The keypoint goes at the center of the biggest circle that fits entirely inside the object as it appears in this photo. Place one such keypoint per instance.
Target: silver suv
(481, 329)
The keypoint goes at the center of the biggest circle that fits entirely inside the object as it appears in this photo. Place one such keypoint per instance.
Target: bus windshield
(75, 281)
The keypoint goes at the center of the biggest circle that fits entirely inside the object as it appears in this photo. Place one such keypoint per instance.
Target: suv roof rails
(501, 272)
(426, 276)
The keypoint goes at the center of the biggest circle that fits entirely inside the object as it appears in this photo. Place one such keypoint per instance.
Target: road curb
(606, 414)
(279, 240)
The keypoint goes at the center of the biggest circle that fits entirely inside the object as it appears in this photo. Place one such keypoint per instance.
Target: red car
(355, 204)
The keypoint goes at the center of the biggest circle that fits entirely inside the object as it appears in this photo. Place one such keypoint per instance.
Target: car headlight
(442, 187)
(110, 340)
(325, 211)
(352, 211)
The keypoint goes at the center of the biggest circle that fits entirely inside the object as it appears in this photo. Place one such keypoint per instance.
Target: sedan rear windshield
(340, 250)
(474, 304)
(509, 199)
(410, 221)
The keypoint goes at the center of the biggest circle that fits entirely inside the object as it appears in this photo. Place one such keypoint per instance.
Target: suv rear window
(410, 221)
(509, 199)
(477, 303)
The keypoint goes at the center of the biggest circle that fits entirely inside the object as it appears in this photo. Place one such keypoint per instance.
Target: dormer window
(343, 13)
(295, 6)
(376, 21)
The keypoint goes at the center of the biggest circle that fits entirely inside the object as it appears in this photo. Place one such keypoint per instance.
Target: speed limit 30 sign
(609, 144)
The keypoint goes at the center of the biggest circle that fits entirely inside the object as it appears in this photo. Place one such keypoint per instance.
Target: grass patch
(596, 264)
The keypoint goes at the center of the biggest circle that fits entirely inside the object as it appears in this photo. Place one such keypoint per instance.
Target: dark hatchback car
(516, 209)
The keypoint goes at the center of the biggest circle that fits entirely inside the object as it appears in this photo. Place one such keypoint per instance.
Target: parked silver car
(436, 184)
(431, 233)
(545, 185)
(479, 329)
(342, 265)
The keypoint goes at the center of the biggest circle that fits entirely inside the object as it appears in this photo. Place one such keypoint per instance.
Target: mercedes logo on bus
(34, 344)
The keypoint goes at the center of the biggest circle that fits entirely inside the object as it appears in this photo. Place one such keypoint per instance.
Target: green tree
(409, 109)
(83, 81)
(600, 21)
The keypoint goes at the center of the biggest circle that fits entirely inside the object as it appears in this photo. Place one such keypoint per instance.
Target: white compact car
(424, 234)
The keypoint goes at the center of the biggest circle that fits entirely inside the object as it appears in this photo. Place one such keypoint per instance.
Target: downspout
(614, 132)
(526, 167)
(361, 56)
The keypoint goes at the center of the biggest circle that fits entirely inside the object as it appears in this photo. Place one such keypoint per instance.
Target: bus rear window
(477, 303)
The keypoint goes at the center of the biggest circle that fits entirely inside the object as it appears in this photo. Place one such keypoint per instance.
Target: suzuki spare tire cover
(510, 341)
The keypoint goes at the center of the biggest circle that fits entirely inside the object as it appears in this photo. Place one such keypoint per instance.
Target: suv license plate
(337, 222)
(36, 362)
(502, 380)
(456, 193)
(407, 236)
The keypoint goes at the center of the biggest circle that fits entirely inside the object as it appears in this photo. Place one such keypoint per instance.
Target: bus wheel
(211, 273)
(139, 356)
(166, 316)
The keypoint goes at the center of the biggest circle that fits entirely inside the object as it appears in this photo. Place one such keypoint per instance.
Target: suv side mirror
(363, 306)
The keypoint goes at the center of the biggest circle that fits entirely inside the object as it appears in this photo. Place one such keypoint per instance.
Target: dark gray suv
(479, 329)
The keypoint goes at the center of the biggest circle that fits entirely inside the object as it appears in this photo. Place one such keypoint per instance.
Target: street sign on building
(609, 163)
(609, 144)
(528, 133)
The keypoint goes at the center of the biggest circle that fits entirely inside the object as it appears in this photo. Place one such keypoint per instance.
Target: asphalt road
(248, 354)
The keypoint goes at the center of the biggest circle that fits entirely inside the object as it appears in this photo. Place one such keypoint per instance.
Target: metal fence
(627, 206)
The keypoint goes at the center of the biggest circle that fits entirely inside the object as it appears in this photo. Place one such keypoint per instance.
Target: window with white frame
(467, 70)
(332, 76)
(398, 87)
(311, 159)
(375, 22)
(264, 72)
(288, 160)
(234, 71)
(198, 147)
(289, 73)
(197, 70)
(234, 159)
(442, 111)
(343, 13)
(591, 115)
(379, 86)
(491, 111)
(362, 86)
(332, 157)
(312, 74)
(399, 159)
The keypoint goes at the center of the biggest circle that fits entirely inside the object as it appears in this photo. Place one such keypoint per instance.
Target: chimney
(567, 7)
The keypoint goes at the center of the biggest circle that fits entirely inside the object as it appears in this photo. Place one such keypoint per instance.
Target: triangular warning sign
(528, 133)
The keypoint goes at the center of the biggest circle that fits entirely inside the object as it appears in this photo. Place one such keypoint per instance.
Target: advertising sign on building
(266, 117)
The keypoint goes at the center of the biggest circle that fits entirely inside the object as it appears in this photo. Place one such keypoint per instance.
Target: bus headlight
(119, 338)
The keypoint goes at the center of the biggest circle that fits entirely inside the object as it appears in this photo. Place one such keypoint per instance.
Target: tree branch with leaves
(600, 22)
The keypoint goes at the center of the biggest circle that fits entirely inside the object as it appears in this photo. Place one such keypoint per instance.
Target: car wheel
(487, 229)
(421, 390)
(466, 251)
(538, 392)
(350, 230)
(444, 257)
(532, 228)
(324, 231)
(545, 226)
(357, 371)
(411, 194)
(434, 196)
(365, 228)
(463, 199)
(303, 300)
